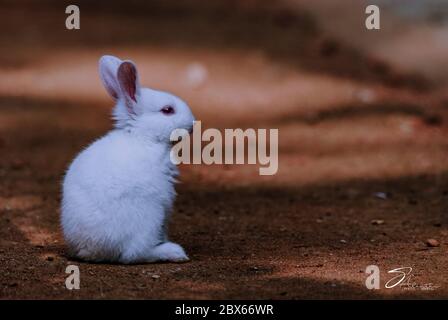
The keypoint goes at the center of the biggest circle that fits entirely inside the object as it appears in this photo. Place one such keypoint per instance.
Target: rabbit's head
(151, 113)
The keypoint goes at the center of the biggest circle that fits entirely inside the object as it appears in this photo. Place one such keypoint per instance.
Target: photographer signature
(404, 280)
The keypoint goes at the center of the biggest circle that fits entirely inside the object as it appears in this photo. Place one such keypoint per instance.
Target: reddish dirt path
(350, 126)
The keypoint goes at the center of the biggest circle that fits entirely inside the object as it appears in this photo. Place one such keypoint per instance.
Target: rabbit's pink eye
(167, 110)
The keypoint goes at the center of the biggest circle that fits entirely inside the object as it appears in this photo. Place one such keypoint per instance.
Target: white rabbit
(118, 193)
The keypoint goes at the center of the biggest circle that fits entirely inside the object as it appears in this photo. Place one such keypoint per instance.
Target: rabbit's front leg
(148, 247)
(166, 251)
(169, 251)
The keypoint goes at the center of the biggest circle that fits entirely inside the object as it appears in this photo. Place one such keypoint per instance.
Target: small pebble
(343, 241)
(377, 222)
(432, 243)
(155, 276)
(381, 195)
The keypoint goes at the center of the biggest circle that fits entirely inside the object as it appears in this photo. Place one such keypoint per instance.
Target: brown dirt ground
(350, 126)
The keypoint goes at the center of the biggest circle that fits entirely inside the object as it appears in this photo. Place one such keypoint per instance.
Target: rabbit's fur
(118, 193)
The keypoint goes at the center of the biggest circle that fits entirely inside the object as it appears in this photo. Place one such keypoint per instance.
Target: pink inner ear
(127, 75)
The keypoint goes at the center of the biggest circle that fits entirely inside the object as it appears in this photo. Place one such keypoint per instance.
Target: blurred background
(362, 118)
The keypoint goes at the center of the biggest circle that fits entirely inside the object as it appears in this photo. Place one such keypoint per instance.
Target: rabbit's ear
(129, 84)
(108, 66)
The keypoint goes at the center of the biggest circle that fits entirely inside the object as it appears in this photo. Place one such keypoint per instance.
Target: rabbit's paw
(170, 251)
